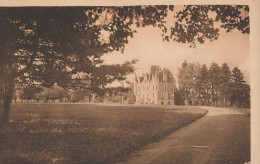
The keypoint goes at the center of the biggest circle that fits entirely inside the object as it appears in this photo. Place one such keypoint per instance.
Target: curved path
(220, 137)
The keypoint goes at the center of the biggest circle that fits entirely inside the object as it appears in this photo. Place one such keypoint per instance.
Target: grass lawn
(85, 133)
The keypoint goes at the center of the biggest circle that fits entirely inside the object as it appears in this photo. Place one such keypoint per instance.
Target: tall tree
(187, 75)
(214, 81)
(225, 78)
(202, 85)
(239, 90)
(237, 76)
(170, 75)
(63, 46)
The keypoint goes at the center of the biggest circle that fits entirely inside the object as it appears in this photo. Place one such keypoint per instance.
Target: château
(155, 87)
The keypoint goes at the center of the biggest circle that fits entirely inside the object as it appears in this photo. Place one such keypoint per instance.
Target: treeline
(42, 94)
(198, 85)
(56, 94)
(213, 86)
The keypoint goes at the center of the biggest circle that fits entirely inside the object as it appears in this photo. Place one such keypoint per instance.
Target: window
(162, 103)
(153, 95)
(169, 95)
(169, 102)
(165, 88)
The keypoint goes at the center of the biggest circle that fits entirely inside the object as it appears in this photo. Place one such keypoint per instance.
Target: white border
(254, 6)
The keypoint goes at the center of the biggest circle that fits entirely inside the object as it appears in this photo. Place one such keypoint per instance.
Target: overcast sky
(147, 46)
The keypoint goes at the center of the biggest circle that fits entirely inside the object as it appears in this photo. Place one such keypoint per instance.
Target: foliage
(169, 75)
(30, 92)
(202, 85)
(214, 82)
(239, 90)
(225, 79)
(48, 45)
(196, 23)
(63, 45)
(118, 94)
(187, 79)
(79, 96)
(237, 76)
(178, 97)
(53, 93)
(216, 86)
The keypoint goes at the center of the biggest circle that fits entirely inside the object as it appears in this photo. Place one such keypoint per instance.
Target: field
(86, 133)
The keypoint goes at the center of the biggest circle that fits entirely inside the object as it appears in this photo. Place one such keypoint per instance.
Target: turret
(135, 84)
(164, 76)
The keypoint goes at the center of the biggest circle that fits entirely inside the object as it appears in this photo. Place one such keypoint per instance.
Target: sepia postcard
(129, 82)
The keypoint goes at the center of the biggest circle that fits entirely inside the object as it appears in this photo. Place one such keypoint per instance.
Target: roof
(155, 71)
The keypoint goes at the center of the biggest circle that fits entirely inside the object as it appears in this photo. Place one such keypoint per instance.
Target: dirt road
(220, 137)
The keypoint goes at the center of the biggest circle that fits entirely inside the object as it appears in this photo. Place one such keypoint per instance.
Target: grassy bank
(81, 133)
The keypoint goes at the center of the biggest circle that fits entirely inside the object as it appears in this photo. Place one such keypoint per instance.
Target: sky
(148, 47)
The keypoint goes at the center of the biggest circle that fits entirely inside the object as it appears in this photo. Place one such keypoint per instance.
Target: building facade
(155, 87)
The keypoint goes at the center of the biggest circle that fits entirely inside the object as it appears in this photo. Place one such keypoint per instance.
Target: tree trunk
(122, 97)
(8, 95)
(212, 98)
(225, 102)
(216, 101)
(237, 102)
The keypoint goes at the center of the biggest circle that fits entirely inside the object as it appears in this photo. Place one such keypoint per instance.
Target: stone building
(155, 87)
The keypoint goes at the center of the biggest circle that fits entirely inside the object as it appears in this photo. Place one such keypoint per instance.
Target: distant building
(155, 87)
